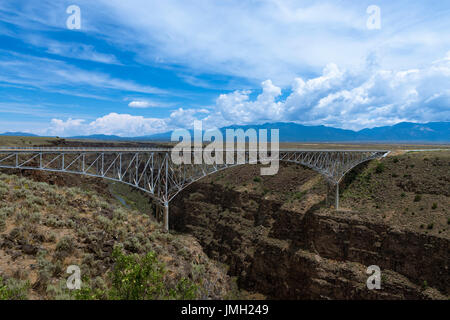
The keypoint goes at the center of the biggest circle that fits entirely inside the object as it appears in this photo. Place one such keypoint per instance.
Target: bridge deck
(80, 149)
(153, 170)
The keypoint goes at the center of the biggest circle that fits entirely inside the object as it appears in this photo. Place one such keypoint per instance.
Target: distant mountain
(407, 131)
(433, 132)
(18, 134)
(100, 137)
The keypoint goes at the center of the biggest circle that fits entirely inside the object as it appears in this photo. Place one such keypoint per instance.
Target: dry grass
(45, 228)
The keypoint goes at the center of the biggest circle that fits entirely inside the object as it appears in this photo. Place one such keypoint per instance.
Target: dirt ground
(406, 190)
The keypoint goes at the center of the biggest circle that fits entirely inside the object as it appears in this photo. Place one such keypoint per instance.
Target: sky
(140, 67)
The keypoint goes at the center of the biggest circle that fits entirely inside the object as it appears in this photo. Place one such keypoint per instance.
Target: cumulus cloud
(110, 124)
(124, 124)
(349, 99)
(338, 97)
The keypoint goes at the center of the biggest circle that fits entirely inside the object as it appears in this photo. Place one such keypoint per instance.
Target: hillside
(45, 228)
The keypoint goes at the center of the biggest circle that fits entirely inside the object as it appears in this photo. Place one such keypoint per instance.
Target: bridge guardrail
(97, 149)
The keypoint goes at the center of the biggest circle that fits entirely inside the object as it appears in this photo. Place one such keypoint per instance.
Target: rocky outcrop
(318, 254)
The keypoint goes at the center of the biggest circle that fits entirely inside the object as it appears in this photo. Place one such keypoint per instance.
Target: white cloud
(124, 124)
(352, 100)
(51, 74)
(338, 97)
(80, 51)
(142, 104)
(60, 127)
(110, 124)
(272, 39)
(139, 104)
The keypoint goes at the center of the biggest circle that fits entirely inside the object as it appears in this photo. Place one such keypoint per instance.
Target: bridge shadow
(351, 176)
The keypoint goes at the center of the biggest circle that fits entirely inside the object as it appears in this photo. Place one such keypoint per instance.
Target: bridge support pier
(337, 196)
(166, 217)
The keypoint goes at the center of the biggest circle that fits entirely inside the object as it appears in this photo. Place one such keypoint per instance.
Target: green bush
(299, 195)
(379, 168)
(434, 206)
(257, 179)
(142, 278)
(14, 289)
(417, 198)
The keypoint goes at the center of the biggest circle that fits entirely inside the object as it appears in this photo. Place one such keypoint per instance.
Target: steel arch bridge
(154, 172)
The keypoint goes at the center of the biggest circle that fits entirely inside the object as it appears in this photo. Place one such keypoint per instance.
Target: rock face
(317, 254)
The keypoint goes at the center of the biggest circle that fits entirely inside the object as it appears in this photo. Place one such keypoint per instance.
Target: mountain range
(433, 132)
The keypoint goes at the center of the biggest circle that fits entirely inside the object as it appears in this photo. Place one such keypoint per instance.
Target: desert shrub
(7, 211)
(65, 246)
(22, 216)
(257, 179)
(36, 217)
(430, 226)
(434, 206)
(142, 278)
(197, 271)
(50, 237)
(2, 222)
(70, 223)
(46, 269)
(59, 291)
(402, 195)
(14, 289)
(120, 214)
(379, 168)
(56, 199)
(299, 195)
(105, 223)
(32, 201)
(97, 290)
(19, 193)
(196, 196)
(417, 198)
(103, 204)
(133, 244)
(395, 160)
(54, 222)
(3, 192)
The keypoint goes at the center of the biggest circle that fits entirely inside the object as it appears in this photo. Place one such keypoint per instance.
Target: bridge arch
(153, 171)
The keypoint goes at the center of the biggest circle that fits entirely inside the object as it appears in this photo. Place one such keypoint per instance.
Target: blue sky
(139, 67)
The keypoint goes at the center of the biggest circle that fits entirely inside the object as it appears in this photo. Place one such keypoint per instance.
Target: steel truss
(154, 172)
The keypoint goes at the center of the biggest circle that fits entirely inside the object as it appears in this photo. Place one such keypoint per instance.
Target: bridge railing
(27, 148)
